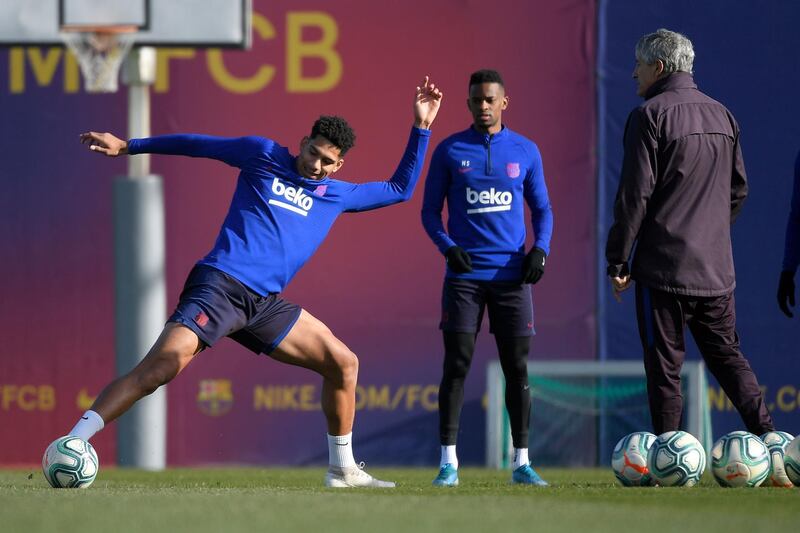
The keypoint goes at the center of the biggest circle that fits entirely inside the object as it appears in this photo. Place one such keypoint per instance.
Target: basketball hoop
(100, 51)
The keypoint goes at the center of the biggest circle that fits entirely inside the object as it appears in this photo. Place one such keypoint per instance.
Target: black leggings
(458, 351)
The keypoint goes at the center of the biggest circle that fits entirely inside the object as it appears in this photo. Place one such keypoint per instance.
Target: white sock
(89, 424)
(340, 450)
(449, 456)
(520, 458)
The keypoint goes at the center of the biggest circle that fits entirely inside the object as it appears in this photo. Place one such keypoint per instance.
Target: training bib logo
(201, 319)
(489, 201)
(512, 169)
(299, 201)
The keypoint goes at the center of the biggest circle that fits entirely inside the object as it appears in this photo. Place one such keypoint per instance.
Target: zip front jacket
(487, 180)
(683, 183)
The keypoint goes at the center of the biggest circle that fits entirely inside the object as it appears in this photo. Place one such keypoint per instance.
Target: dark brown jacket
(683, 182)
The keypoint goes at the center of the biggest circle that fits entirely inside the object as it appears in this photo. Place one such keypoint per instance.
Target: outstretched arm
(104, 143)
(233, 151)
(400, 186)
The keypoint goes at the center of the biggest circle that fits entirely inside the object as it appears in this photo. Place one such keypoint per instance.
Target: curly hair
(336, 130)
(486, 76)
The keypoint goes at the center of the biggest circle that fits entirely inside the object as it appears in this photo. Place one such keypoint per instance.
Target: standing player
(683, 183)
(485, 172)
(281, 211)
(791, 252)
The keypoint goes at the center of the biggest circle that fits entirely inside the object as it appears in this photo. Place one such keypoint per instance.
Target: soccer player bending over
(281, 211)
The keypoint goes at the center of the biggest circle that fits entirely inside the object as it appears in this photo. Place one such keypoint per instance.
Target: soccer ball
(791, 459)
(70, 462)
(629, 459)
(740, 459)
(676, 459)
(777, 442)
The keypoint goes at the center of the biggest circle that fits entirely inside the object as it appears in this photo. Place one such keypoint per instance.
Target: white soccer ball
(740, 459)
(69, 463)
(676, 459)
(629, 459)
(791, 459)
(777, 442)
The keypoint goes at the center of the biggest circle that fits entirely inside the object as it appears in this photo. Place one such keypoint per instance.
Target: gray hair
(673, 49)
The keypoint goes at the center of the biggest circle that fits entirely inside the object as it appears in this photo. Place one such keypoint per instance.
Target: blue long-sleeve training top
(485, 179)
(791, 252)
(277, 218)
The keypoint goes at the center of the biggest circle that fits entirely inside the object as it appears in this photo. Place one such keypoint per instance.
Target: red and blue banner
(376, 281)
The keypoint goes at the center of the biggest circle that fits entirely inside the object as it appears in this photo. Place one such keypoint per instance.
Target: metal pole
(139, 251)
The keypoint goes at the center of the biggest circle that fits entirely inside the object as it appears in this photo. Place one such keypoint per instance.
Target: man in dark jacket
(682, 185)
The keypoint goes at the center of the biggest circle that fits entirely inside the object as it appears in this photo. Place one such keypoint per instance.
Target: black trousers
(662, 319)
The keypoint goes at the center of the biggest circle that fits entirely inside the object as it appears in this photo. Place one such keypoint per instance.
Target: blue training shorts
(214, 304)
(510, 307)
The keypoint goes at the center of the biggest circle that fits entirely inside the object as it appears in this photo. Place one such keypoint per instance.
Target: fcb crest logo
(215, 397)
(201, 319)
(512, 169)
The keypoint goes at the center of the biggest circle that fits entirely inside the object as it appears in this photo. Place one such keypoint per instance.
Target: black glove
(786, 292)
(458, 260)
(533, 266)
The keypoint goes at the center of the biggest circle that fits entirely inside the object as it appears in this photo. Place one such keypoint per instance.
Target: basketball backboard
(162, 23)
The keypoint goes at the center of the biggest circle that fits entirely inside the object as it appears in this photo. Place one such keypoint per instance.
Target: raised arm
(400, 187)
(427, 100)
(233, 151)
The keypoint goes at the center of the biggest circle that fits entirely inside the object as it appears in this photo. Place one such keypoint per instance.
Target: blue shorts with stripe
(214, 304)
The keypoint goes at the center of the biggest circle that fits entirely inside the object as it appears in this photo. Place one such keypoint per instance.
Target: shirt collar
(676, 80)
(485, 136)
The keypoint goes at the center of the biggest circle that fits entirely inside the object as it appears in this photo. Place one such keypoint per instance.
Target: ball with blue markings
(740, 459)
(676, 459)
(791, 459)
(70, 463)
(777, 442)
(629, 459)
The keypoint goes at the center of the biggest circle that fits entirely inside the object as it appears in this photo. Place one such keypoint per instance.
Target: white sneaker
(353, 476)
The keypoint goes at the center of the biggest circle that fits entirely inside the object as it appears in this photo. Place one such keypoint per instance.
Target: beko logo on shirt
(301, 203)
(494, 200)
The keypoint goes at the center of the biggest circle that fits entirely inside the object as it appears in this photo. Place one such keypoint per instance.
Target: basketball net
(100, 52)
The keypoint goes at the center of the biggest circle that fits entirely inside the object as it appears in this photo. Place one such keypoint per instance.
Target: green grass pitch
(293, 499)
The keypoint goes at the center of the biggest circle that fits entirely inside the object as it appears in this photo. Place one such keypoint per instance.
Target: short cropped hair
(336, 130)
(673, 49)
(486, 76)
